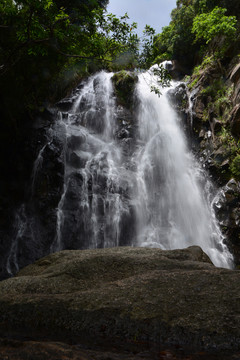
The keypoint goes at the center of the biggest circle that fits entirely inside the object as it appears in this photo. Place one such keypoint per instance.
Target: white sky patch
(155, 13)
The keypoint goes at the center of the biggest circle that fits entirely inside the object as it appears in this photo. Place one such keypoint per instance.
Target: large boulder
(125, 294)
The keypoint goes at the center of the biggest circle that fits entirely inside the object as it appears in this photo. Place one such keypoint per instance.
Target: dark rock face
(27, 207)
(179, 100)
(178, 97)
(228, 212)
(33, 223)
(177, 71)
(160, 297)
(216, 128)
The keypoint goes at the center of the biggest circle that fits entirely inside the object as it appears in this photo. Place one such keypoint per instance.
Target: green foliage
(193, 83)
(50, 42)
(207, 63)
(214, 26)
(161, 77)
(218, 98)
(147, 53)
(176, 40)
(205, 6)
(41, 26)
(232, 148)
(215, 89)
(235, 167)
(198, 26)
(223, 102)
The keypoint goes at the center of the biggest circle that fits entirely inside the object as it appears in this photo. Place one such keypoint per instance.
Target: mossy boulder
(125, 294)
(124, 84)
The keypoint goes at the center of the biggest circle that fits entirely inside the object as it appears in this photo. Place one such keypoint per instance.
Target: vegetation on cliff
(203, 39)
(198, 26)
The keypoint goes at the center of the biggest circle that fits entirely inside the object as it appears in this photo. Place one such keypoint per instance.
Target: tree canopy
(46, 45)
(213, 26)
(196, 27)
(49, 42)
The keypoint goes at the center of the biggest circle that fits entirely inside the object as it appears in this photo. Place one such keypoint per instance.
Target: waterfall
(113, 176)
(174, 200)
(92, 209)
(156, 195)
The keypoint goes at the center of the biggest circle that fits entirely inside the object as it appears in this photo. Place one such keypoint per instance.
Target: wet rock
(78, 159)
(126, 131)
(228, 212)
(177, 70)
(75, 140)
(178, 97)
(65, 104)
(44, 119)
(198, 111)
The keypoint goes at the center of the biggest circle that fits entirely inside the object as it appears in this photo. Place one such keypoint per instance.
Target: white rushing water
(175, 209)
(93, 166)
(156, 195)
(12, 266)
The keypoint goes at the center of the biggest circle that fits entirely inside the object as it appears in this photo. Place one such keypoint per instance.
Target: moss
(235, 167)
(124, 84)
(231, 146)
(207, 66)
(193, 83)
(205, 116)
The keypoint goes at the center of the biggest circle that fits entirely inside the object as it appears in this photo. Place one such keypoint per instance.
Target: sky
(155, 13)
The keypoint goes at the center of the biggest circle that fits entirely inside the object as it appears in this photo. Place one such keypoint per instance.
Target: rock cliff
(209, 108)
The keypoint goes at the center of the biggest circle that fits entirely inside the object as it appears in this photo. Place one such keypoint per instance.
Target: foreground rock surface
(125, 294)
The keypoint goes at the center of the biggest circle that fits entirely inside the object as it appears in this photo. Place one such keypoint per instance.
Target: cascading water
(113, 176)
(174, 206)
(92, 208)
(163, 197)
(20, 224)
